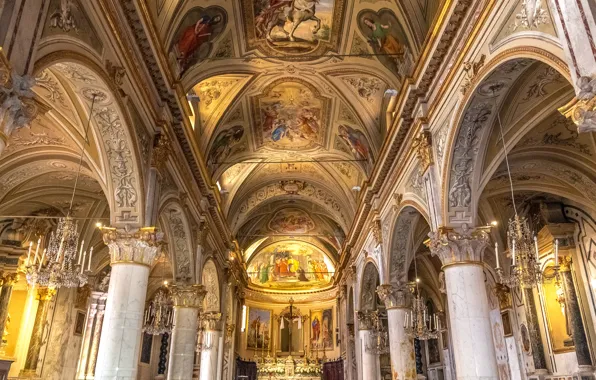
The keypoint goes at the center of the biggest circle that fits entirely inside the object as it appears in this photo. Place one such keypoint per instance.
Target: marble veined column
(87, 335)
(582, 350)
(461, 254)
(95, 339)
(211, 334)
(401, 347)
(187, 303)
(131, 256)
(371, 368)
(44, 295)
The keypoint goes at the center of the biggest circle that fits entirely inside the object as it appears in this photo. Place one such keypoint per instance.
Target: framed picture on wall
(321, 328)
(259, 329)
(80, 323)
(506, 317)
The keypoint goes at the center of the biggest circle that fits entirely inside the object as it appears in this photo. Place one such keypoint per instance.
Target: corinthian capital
(188, 295)
(211, 321)
(583, 111)
(17, 104)
(140, 246)
(393, 297)
(461, 245)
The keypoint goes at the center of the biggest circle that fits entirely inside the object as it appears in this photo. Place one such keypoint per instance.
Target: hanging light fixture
(62, 262)
(418, 323)
(159, 315)
(378, 340)
(521, 240)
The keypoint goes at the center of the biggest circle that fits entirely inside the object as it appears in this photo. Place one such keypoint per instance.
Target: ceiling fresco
(289, 102)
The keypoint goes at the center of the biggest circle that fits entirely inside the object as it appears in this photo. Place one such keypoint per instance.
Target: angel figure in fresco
(384, 42)
(356, 141)
(193, 37)
(280, 130)
(308, 125)
(316, 329)
(223, 144)
(270, 114)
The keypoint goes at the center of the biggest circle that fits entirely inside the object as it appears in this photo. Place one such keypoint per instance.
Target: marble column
(211, 334)
(578, 333)
(187, 303)
(371, 368)
(7, 283)
(94, 349)
(44, 295)
(461, 254)
(534, 330)
(131, 257)
(87, 335)
(401, 349)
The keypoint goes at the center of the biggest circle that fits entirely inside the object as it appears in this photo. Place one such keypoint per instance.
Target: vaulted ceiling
(290, 122)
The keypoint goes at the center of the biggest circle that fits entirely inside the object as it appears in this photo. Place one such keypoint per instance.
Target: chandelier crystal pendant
(56, 267)
(159, 315)
(418, 323)
(378, 339)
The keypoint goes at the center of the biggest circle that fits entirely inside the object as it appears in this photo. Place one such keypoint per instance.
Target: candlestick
(90, 256)
(497, 254)
(81, 252)
(29, 253)
(557, 252)
(43, 255)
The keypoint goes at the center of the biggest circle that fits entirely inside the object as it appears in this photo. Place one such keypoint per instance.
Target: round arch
(176, 226)
(210, 280)
(368, 286)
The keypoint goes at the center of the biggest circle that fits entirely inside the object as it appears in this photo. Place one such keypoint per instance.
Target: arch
(112, 128)
(210, 279)
(476, 113)
(176, 226)
(368, 287)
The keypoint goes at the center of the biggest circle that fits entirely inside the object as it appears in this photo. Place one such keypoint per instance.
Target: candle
(557, 252)
(513, 251)
(29, 253)
(43, 255)
(406, 320)
(90, 255)
(497, 254)
(536, 247)
(36, 250)
(83, 264)
(81, 252)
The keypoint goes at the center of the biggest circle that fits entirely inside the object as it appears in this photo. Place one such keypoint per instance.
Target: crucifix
(291, 315)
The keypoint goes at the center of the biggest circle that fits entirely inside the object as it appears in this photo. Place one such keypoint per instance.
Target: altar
(289, 368)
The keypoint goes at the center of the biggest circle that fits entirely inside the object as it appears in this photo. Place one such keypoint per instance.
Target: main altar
(289, 368)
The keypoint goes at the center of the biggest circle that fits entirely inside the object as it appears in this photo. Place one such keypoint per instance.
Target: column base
(29, 374)
(585, 372)
(539, 374)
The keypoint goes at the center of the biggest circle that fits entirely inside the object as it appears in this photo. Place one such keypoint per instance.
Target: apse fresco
(291, 221)
(290, 266)
(193, 40)
(290, 115)
(387, 38)
(293, 27)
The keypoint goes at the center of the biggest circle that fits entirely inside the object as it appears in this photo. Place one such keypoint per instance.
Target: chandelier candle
(36, 251)
(29, 253)
(497, 254)
(43, 255)
(556, 252)
(83, 265)
(90, 256)
(513, 252)
(81, 252)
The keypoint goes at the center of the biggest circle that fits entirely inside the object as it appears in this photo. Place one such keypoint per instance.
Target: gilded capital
(565, 263)
(10, 279)
(461, 245)
(188, 295)
(393, 297)
(140, 246)
(582, 111)
(211, 321)
(45, 294)
(366, 319)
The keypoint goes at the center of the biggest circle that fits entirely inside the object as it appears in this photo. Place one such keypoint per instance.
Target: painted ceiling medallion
(291, 221)
(293, 30)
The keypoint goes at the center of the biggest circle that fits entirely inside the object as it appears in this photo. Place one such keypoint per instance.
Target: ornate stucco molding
(138, 247)
(189, 296)
(211, 321)
(582, 110)
(424, 150)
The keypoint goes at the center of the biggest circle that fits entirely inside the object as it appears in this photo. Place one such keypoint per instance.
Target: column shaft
(403, 365)
(578, 332)
(44, 295)
(209, 357)
(370, 362)
(534, 330)
(86, 344)
(182, 348)
(5, 294)
(95, 341)
(120, 342)
(470, 326)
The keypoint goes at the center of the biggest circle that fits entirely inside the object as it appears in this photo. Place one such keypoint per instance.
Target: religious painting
(290, 115)
(79, 327)
(290, 265)
(226, 143)
(356, 141)
(525, 338)
(507, 328)
(321, 329)
(193, 40)
(293, 28)
(291, 221)
(387, 38)
(259, 329)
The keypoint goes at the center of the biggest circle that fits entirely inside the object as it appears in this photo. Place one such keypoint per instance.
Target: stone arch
(368, 287)
(176, 226)
(210, 280)
(402, 242)
(111, 127)
(471, 126)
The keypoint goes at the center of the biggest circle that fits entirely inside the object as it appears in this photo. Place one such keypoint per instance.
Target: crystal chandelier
(56, 267)
(521, 241)
(378, 339)
(159, 315)
(419, 324)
